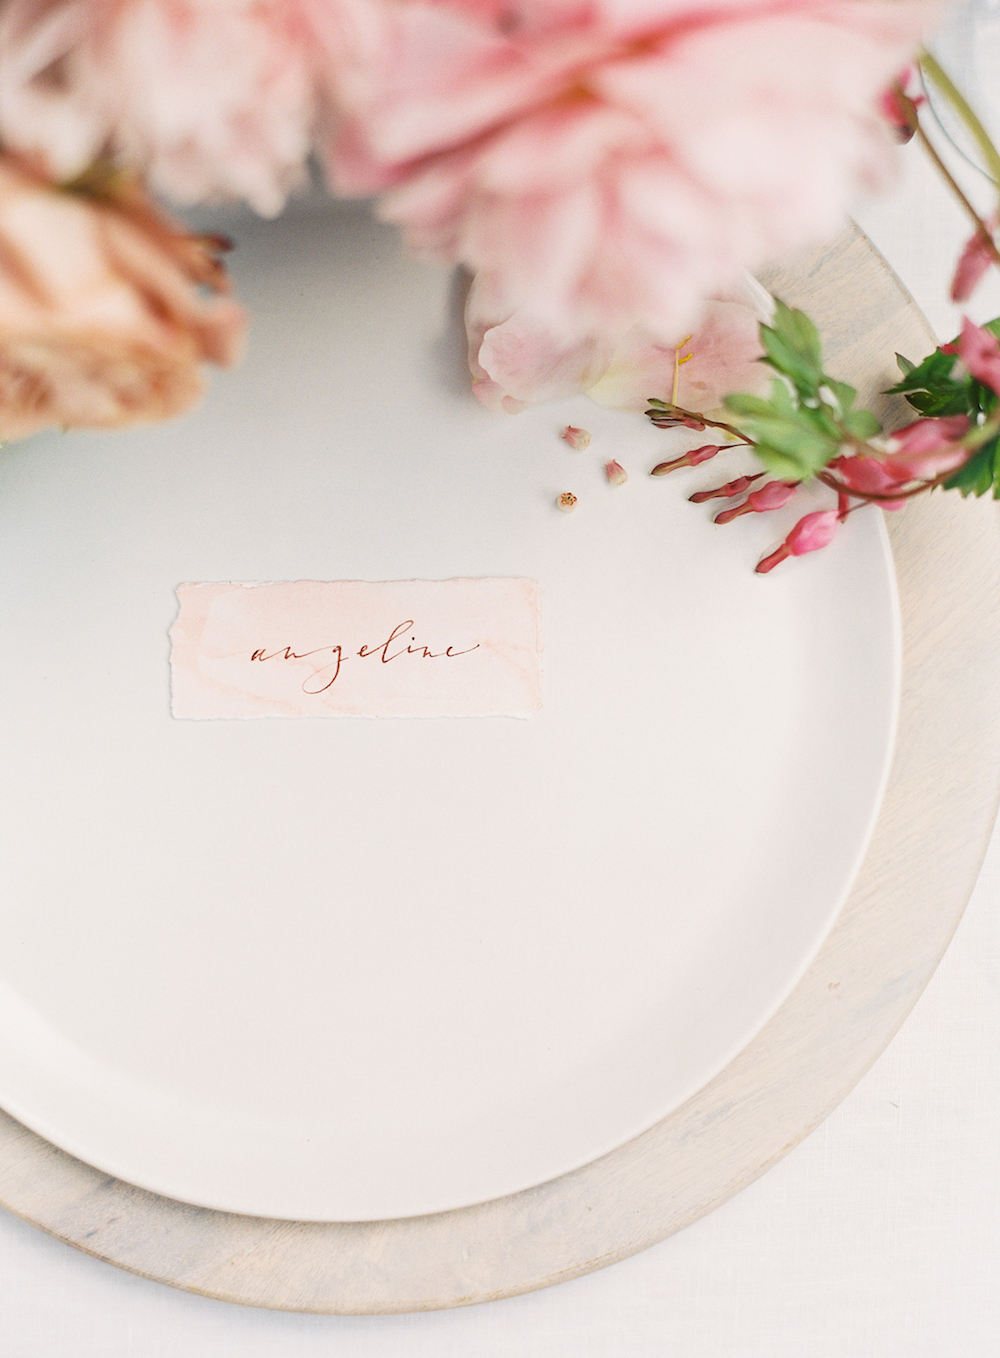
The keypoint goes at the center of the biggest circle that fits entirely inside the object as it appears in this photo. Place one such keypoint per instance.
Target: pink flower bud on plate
(811, 533)
(689, 459)
(616, 473)
(772, 495)
(724, 492)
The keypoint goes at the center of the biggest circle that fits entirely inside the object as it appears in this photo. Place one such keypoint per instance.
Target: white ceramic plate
(364, 968)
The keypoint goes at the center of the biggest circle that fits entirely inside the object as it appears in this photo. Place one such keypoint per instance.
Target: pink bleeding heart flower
(928, 448)
(980, 353)
(899, 104)
(726, 491)
(692, 458)
(921, 451)
(811, 533)
(772, 495)
(866, 475)
(974, 261)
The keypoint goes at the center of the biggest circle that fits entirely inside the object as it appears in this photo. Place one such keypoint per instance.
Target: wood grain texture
(919, 872)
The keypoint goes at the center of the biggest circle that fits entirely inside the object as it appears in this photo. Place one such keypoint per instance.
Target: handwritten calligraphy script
(397, 648)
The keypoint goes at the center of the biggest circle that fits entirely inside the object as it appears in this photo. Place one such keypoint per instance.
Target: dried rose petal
(578, 439)
(107, 307)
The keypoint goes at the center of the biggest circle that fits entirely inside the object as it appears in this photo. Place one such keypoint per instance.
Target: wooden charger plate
(920, 869)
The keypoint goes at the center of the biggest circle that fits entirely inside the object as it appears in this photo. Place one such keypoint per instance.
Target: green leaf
(749, 407)
(792, 440)
(805, 376)
(798, 331)
(862, 424)
(779, 464)
(934, 371)
(976, 477)
(843, 394)
(792, 347)
(943, 403)
(904, 365)
(822, 422)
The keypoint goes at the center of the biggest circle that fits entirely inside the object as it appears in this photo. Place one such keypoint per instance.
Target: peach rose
(107, 308)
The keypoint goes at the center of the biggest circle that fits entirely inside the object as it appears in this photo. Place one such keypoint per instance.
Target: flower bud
(616, 473)
(772, 495)
(566, 502)
(666, 416)
(725, 492)
(811, 533)
(689, 459)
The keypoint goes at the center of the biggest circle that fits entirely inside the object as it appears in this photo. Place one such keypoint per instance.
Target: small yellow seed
(566, 502)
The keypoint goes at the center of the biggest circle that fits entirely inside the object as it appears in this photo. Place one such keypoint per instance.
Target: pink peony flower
(604, 164)
(207, 99)
(107, 309)
(520, 360)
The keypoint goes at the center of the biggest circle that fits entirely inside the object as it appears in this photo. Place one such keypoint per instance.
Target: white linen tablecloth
(877, 1238)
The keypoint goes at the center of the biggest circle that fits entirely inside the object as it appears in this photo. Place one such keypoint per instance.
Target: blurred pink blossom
(929, 435)
(973, 262)
(108, 308)
(900, 102)
(207, 98)
(980, 352)
(520, 360)
(608, 164)
(922, 451)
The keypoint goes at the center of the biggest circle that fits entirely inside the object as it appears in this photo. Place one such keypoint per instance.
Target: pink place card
(357, 648)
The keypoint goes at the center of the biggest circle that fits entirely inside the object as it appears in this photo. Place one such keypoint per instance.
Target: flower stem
(931, 66)
(985, 235)
(716, 424)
